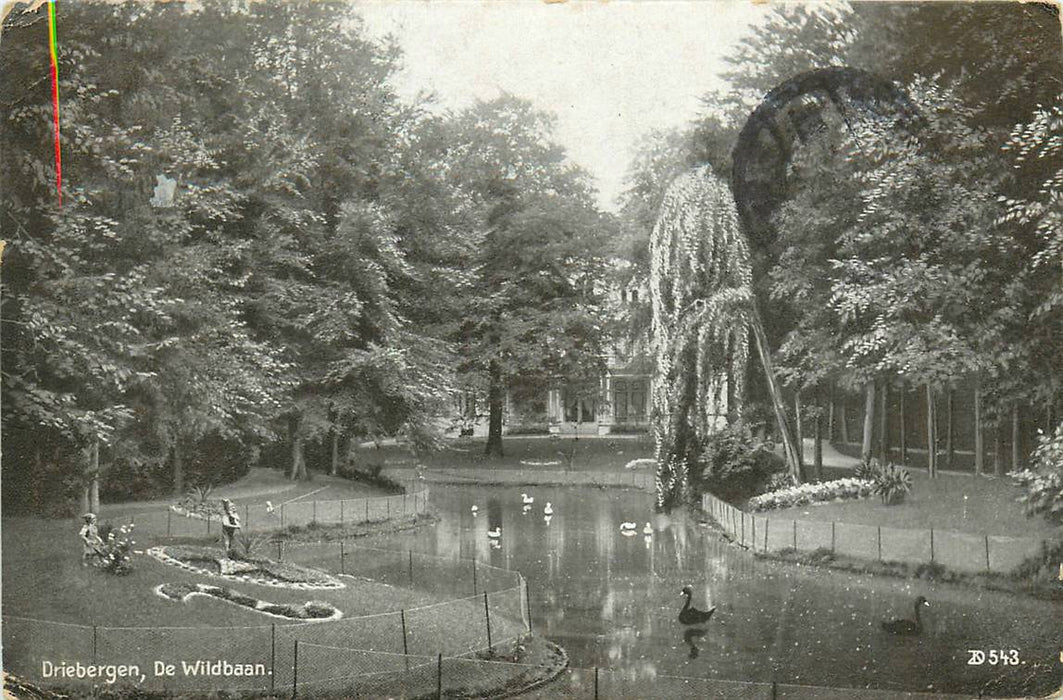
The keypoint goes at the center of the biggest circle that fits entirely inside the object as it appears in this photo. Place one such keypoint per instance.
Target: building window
(629, 400)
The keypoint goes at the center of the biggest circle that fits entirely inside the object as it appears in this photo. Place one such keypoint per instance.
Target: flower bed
(207, 561)
(312, 610)
(838, 490)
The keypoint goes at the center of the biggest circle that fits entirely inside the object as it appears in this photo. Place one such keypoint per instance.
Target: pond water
(612, 601)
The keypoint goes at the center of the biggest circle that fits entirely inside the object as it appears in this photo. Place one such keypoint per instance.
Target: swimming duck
(526, 499)
(269, 507)
(628, 526)
(907, 627)
(494, 534)
(475, 510)
(549, 509)
(690, 615)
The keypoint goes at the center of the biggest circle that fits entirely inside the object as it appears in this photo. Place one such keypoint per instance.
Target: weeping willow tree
(703, 310)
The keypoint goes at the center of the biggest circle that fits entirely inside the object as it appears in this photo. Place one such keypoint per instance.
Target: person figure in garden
(92, 545)
(230, 523)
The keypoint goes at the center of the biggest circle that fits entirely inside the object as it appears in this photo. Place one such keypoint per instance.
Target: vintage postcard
(461, 349)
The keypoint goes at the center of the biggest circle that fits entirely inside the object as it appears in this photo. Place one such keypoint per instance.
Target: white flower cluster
(839, 489)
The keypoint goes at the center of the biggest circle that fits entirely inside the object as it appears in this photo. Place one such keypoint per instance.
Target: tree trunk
(830, 416)
(998, 449)
(884, 424)
(949, 447)
(495, 395)
(799, 428)
(1016, 438)
(90, 499)
(178, 467)
(298, 467)
(869, 421)
(931, 434)
(979, 431)
(817, 444)
(904, 424)
(790, 450)
(334, 440)
(844, 422)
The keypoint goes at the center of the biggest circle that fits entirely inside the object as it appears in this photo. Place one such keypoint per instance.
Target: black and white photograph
(440, 349)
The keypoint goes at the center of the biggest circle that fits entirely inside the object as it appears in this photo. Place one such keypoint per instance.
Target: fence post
(879, 543)
(743, 539)
(169, 514)
(405, 647)
(753, 523)
(280, 550)
(366, 510)
(794, 522)
(987, 568)
(273, 656)
(527, 604)
(439, 676)
(767, 521)
(208, 523)
(247, 516)
(595, 683)
(411, 566)
(931, 545)
(387, 503)
(831, 540)
(474, 591)
(343, 557)
(282, 515)
(404, 503)
(94, 635)
(341, 512)
(295, 671)
(774, 690)
(487, 616)
(313, 517)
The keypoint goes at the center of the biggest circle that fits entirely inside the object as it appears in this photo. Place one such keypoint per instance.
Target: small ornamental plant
(867, 470)
(892, 484)
(803, 494)
(117, 550)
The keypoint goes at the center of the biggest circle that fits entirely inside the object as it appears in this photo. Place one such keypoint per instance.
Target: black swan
(693, 616)
(907, 626)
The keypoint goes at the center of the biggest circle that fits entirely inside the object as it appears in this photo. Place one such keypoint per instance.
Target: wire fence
(490, 612)
(958, 551)
(261, 517)
(371, 674)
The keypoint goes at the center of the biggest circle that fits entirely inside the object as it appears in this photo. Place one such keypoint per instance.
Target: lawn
(259, 486)
(977, 505)
(609, 453)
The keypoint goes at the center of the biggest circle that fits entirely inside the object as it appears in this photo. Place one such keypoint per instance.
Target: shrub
(117, 549)
(1043, 482)
(867, 470)
(803, 494)
(732, 464)
(892, 483)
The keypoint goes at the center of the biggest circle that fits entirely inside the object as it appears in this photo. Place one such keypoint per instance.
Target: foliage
(731, 464)
(117, 549)
(867, 470)
(700, 291)
(803, 494)
(1043, 481)
(892, 483)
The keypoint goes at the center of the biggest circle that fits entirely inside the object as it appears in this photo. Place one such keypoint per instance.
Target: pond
(612, 600)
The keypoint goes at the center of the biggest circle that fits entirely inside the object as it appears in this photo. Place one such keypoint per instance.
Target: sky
(610, 71)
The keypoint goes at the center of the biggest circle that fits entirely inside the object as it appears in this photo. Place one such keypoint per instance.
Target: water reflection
(612, 601)
(690, 636)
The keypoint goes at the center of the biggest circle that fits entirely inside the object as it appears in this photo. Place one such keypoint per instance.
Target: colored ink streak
(53, 42)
